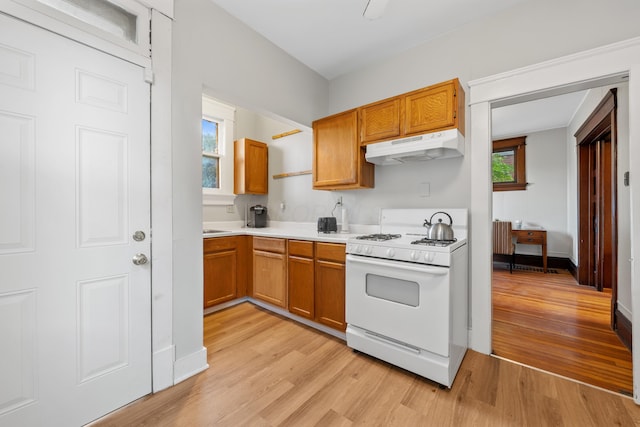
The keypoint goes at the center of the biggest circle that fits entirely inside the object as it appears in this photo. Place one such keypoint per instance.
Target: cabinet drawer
(301, 248)
(269, 244)
(217, 244)
(331, 252)
(531, 237)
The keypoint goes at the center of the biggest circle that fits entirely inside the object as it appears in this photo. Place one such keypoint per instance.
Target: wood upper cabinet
(380, 120)
(437, 107)
(301, 278)
(251, 169)
(338, 158)
(270, 270)
(330, 285)
(434, 108)
(224, 268)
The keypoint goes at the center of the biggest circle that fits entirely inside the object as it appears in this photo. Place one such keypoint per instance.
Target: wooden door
(338, 159)
(74, 154)
(380, 121)
(301, 285)
(430, 109)
(220, 273)
(330, 285)
(597, 239)
(257, 161)
(270, 277)
(300, 280)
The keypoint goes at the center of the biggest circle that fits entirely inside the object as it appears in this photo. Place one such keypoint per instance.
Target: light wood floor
(266, 371)
(550, 322)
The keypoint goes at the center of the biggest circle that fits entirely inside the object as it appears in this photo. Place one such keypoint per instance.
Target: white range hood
(437, 145)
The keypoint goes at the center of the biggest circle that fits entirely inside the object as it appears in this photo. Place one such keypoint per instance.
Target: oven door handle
(420, 268)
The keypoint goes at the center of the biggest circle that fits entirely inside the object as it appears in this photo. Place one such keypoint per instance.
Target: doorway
(539, 163)
(597, 191)
(75, 309)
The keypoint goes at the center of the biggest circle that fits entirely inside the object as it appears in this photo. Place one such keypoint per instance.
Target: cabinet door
(251, 159)
(257, 170)
(270, 277)
(330, 294)
(219, 277)
(338, 159)
(301, 277)
(430, 109)
(380, 121)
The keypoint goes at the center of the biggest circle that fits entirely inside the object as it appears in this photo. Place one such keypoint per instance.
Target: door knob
(139, 259)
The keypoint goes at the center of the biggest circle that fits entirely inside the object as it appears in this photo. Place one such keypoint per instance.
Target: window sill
(218, 199)
(510, 187)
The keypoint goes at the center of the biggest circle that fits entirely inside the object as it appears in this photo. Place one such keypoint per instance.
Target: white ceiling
(332, 37)
(535, 116)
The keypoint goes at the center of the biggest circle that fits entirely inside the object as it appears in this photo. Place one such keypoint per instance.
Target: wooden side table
(533, 237)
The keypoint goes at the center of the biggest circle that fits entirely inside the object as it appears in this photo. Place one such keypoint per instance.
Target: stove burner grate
(379, 237)
(433, 242)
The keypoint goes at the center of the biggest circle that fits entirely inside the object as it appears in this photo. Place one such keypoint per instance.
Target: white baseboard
(190, 365)
(163, 368)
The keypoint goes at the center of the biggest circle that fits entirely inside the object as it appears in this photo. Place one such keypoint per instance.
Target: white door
(75, 325)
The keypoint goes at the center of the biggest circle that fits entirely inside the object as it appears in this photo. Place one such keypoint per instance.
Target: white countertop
(286, 230)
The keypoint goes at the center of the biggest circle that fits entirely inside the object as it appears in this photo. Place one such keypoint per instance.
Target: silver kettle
(439, 231)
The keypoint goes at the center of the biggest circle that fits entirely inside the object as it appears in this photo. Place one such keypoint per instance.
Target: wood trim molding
(518, 145)
(597, 122)
(623, 329)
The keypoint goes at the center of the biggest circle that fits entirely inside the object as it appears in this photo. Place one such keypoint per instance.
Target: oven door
(401, 301)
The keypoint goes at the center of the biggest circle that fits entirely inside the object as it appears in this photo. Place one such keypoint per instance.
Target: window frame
(224, 115)
(518, 146)
(214, 154)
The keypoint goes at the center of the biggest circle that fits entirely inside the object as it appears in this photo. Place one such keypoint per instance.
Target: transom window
(508, 164)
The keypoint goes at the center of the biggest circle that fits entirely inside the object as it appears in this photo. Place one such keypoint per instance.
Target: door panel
(74, 187)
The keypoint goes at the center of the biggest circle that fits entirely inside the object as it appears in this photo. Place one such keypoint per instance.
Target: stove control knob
(428, 256)
(414, 256)
(368, 250)
(358, 248)
(391, 253)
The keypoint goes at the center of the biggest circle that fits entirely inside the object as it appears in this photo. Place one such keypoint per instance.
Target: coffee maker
(257, 216)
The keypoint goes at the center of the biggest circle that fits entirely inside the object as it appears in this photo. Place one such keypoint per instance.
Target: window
(210, 154)
(217, 130)
(508, 166)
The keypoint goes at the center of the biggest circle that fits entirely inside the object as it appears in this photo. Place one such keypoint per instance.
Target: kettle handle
(440, 212)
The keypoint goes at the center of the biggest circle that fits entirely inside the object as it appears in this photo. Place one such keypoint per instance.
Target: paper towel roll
(345, 221)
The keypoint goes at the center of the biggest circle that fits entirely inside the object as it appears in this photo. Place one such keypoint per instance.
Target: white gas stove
(403, 237)
(406, 296)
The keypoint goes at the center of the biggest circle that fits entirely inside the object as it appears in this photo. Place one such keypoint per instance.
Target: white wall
(623, 197)
(214, 52)
(257, 76)
(528, 33)
(544, 202)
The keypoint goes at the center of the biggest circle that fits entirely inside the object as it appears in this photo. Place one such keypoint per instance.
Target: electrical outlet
(231, 209)
(339, 202)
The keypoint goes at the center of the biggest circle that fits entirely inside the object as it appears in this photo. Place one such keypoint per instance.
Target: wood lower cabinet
(224, 269)
(270, 270)
(301, 278)
(251, 159)
(330, 285)
(338, 158)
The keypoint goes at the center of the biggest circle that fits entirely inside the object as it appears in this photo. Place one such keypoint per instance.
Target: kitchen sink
(208, 231)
